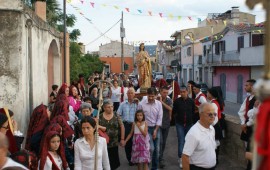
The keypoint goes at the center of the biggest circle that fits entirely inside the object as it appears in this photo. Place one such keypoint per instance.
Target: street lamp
(190, 37)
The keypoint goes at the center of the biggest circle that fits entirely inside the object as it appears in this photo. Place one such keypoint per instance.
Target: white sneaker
(180, 163)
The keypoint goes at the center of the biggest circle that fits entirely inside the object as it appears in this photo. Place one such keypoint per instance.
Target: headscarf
(26, 158)
(62, 89)
(66, 129)
(62, 97)
(11, 139)
(46, 148)
(61, 107)
(38, 121)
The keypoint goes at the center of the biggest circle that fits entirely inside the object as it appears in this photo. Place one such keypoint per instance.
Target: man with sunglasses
(199, 150)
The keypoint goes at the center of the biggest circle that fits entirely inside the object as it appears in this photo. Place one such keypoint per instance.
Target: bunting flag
(216, 21)
(190, 18)
(104, 5)
(171, 16)
(140, 11)
(161, 15)
(127, 9)
(179, 18)
(68, 1)
(92, 4)
(116, 7)
(208, 20)
(225, 23)
(150, 13)
(81, 1)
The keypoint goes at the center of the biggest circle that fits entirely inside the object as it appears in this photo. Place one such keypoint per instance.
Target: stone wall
(232, 146)
(26, 43)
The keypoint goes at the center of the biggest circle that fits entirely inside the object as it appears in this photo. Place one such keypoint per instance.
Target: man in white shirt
(6, 162)
(199, 149)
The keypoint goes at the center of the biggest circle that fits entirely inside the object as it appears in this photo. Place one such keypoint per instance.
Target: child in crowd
(141, 147)
(53, 154)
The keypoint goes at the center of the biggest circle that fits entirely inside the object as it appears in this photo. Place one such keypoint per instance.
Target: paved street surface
(171, 158)
(232, 108)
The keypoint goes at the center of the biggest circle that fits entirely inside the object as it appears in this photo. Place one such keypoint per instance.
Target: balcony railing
(223, 58)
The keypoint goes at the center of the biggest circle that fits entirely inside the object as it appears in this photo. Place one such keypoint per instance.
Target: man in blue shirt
(127, 111)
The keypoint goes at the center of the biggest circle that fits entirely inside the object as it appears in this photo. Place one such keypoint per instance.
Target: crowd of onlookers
(62, 134)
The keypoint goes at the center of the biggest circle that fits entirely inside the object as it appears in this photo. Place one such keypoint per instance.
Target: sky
(139, 25)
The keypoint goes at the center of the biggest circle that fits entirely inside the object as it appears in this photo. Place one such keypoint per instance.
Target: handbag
(104, 135)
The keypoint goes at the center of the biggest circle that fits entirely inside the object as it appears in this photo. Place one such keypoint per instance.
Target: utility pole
(64, 40)
(122, 35)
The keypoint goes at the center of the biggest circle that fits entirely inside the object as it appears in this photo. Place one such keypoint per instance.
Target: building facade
(110, 54)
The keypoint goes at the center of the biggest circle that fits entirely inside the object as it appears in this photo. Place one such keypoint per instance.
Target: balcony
(252, 56)
(227, 58)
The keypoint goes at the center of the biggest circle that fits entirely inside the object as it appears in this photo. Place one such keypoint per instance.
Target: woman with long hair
(52, 156)
(39, 119)
(74, 98)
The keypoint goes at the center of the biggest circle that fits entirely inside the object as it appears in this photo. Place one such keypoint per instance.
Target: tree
(82, 64)
(74, 34)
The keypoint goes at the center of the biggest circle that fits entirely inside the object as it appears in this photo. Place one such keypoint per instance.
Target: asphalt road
(171, 158)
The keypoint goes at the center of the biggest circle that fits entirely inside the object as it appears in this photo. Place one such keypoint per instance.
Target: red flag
(81, 1)
(160, 14)
(190, 18)
(150, 13)
(92, 4)
(127, 9)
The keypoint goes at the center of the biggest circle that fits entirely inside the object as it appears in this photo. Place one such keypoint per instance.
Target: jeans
(128, 147)
(181, 133)
(154, 147)
(163, 139)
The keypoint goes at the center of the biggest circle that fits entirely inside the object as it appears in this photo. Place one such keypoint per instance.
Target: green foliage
(82, 64)
(74, 34)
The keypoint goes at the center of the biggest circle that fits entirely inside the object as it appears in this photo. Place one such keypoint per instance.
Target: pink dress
(140, 147)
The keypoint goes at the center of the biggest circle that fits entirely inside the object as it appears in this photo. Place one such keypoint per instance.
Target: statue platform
(140, 95)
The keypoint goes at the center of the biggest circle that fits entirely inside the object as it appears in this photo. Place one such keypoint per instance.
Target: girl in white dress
(52, 155)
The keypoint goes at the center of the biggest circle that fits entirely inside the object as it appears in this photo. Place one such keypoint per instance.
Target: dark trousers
(116, 106)
(193, 167)
(128, 147)
(163, 139)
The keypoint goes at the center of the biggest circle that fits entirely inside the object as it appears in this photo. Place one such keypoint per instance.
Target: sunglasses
(212, 114)
(5, 127)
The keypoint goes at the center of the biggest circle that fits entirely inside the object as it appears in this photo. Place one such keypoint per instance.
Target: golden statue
(144, 68)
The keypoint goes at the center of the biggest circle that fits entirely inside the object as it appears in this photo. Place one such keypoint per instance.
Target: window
(240, 43)
(189, 51)
(257, 39)
(220, 46)
(204, 50)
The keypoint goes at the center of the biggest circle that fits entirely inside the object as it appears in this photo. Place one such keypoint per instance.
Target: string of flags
(90, 21)
(139, 11)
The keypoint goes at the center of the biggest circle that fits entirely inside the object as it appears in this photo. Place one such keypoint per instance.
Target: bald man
(6, 162)
(199, 150)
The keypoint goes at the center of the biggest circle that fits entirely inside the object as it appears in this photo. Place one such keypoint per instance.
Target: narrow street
(171, 159)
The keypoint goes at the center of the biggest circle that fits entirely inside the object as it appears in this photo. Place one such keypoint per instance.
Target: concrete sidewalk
(171, 158)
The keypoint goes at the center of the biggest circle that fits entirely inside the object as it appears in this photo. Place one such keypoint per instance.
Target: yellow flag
(116, 7)
(225, 23)
(179, 18)
(68, 1)
(171, 16)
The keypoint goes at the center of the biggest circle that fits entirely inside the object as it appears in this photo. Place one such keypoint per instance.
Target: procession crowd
(61, 135)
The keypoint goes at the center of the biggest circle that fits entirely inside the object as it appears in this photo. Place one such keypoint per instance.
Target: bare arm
(145, 130)
(185, 162)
